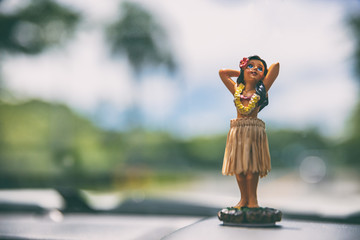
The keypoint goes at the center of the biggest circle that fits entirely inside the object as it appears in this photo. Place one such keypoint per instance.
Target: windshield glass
(119, 107)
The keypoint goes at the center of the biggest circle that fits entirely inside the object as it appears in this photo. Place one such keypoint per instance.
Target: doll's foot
(253, 203)
(241, 204)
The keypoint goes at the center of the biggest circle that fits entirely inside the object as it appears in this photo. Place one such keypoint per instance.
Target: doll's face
(254, 71)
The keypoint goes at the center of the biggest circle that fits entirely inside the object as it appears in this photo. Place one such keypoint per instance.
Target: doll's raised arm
(271, 75)
(226, 75)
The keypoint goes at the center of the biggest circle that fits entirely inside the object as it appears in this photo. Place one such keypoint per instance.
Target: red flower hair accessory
(243, 63)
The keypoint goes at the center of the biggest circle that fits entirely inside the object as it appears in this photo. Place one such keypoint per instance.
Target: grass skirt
(247, 148)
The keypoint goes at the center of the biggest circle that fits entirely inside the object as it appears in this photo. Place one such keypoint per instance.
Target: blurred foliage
(140, 38)
(354, 22)
(137, 35)
(36, 26)
(45, 140)
(205, 152)
(289, 147)
(352, 143)
(47, 145)
(33, 27)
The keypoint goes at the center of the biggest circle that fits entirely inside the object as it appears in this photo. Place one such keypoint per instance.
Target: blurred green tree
(36, 26)
(49, 144)
(137, 36)
(288, 147)
(33, 27)
(354, 22)
(49, 140)
(350, 148)
(30, 27)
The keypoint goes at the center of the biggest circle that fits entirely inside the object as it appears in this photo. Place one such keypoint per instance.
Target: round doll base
(250, 217)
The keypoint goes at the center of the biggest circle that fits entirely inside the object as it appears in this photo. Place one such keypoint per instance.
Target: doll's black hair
(260, 88)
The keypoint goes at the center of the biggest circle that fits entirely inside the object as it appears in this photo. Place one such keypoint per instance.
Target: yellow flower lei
(252, 103)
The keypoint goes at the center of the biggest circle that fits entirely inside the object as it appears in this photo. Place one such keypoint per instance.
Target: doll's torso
(253, 114)
(246, 102)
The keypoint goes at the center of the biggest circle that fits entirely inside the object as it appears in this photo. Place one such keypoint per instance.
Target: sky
(310, 39)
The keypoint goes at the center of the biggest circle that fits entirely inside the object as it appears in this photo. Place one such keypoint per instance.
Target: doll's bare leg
(252, 180)
(241, 180)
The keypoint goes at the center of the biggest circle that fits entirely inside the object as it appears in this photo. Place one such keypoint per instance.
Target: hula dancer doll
(247, 152)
